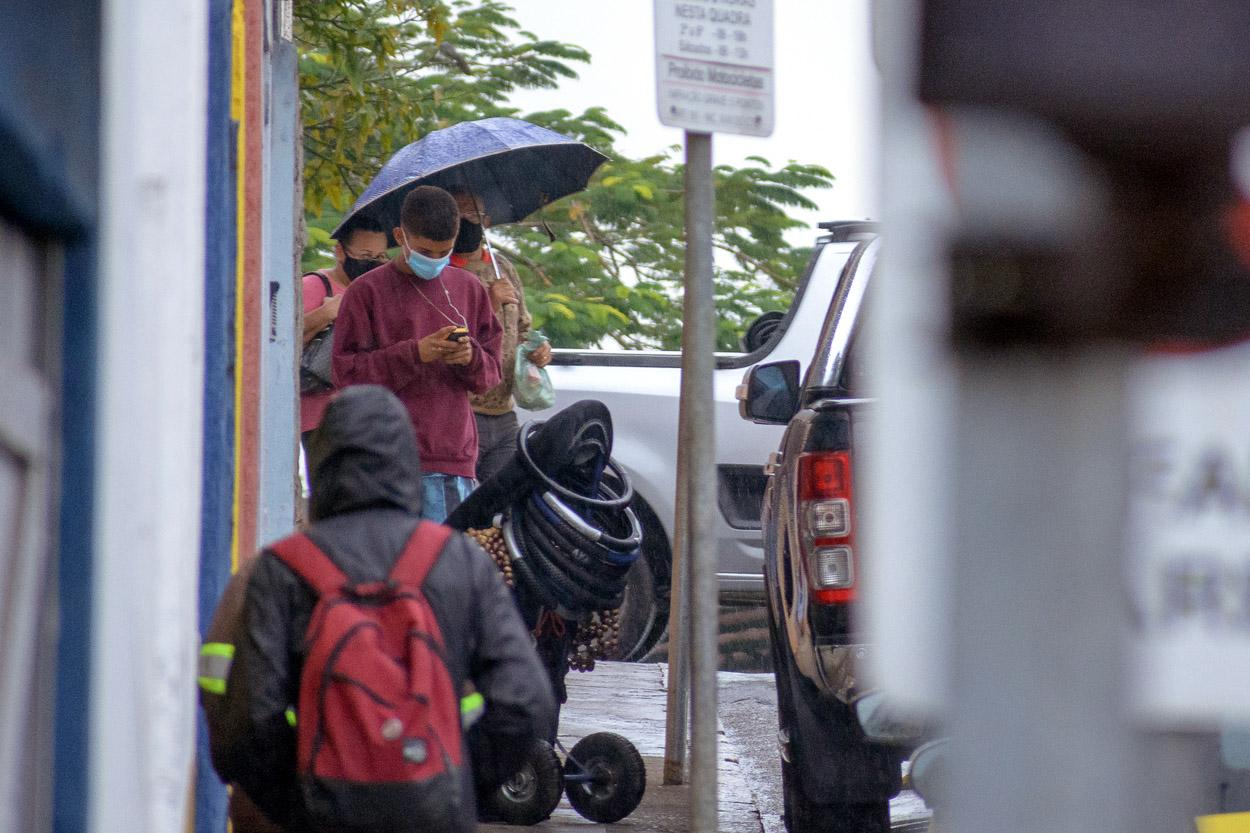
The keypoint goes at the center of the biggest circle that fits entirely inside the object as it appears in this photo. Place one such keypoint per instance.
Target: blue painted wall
(78, 428)
(49, 186)
(219, 305)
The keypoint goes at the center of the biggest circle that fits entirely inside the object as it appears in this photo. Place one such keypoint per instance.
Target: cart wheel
(619, 777)
(533, 793)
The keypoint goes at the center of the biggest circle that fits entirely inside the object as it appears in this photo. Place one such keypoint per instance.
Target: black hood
(364, 455)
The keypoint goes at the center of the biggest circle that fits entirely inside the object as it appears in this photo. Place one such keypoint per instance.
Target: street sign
(1189, 537)
(714, 65)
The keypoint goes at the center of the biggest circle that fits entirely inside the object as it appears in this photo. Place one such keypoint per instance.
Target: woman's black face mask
(470, 237)
(354, 267)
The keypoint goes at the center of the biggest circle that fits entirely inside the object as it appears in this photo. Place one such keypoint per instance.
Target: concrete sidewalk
(629, 699)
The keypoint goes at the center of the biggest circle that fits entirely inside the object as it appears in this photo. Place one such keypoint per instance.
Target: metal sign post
(677, 705)
(713, 73)
(698, 356)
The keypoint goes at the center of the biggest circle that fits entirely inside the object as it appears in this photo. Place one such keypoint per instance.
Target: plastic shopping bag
(532, 386)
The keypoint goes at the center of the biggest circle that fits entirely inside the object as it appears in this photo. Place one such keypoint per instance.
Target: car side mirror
(769, 393)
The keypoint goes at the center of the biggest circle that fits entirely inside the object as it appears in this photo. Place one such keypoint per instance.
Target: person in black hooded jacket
(365, 503)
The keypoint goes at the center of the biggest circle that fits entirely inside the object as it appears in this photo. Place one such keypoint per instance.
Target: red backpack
(378, 728)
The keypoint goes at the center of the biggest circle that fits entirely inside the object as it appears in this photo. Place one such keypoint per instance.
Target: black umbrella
(513, 166)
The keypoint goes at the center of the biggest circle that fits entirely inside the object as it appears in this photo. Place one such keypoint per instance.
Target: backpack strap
(420, 553)
(307, 561)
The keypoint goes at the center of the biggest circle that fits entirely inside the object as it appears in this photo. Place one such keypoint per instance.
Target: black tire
(533, 793)
(644, 610)
(761, 330)
(801, 814)
(620, 777)
(558, 583)
(546, 540)
(805, 816)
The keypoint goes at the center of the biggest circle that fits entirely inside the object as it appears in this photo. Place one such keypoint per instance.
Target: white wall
(149, 449)
(279, 396)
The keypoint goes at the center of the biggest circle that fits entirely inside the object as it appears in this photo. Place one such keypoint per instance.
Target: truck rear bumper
(838, 666)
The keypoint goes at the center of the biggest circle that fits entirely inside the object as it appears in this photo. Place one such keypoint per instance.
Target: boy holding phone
(426, 331)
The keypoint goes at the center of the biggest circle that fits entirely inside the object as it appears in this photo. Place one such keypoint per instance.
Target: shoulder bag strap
(420, 553)
(325, 282)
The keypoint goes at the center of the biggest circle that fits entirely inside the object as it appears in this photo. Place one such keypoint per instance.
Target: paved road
(748, 712)
(629, 699)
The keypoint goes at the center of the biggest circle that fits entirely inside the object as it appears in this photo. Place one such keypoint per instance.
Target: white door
(27, 574)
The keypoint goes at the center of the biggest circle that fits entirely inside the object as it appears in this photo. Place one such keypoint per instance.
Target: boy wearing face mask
(360, 247)
(495, 410)
(425, 330)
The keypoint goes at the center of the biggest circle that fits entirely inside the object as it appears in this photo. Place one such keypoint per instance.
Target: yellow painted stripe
(238, 112)
(238, 32)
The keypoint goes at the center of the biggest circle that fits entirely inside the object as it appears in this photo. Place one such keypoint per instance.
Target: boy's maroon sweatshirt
(383, 314)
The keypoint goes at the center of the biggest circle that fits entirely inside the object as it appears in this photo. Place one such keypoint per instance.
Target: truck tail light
(826, 500)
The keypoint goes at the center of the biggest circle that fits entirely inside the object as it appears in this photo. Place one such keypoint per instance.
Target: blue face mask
(426, 268)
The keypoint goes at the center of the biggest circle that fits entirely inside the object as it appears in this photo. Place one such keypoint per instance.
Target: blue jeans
(442, 493)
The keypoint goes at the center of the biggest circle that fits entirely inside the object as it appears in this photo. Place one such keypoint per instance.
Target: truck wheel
(805, 816)
(801, 814)
(644, 612)
(620, 778)
(533, 793)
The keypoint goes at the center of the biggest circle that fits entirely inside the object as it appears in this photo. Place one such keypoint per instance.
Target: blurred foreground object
(1154, 98)
(1224, 823)
(1077, 201)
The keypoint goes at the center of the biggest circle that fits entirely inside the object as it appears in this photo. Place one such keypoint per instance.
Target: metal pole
(676, 728)
(698, 363)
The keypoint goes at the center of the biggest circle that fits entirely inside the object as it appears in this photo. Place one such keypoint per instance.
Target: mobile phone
(459, 334)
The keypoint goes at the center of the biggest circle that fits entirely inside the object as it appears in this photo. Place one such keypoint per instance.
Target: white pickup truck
(641, 389)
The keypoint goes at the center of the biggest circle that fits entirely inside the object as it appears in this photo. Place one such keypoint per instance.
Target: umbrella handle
(494, 263)
(490, 250)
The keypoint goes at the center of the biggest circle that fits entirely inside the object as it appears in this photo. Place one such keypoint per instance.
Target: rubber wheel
(804, 816)
(761, 330)
(801, 814)
(533, 793)
(620, 778)
(640, 628)
(644, 610)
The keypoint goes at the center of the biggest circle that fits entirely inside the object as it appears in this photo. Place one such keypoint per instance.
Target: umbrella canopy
(515, 168)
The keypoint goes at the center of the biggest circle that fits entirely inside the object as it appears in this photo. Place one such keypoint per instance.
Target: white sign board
(1188, 563)
(714, 65)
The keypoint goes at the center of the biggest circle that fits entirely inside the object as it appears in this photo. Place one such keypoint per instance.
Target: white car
(642, 388)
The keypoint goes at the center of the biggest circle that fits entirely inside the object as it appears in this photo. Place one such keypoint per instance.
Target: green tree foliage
(378, 74)
(614, 267)
(602, 266)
